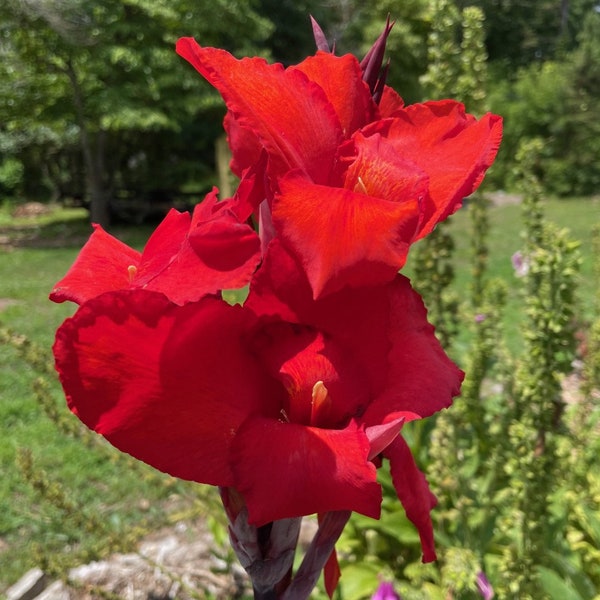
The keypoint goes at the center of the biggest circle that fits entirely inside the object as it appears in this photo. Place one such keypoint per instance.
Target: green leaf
(359, 581)
(591, 524)
(555, 586)
(574, 574)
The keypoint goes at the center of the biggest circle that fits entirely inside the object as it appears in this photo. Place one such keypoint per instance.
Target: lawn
(100, 486)
(92, 483)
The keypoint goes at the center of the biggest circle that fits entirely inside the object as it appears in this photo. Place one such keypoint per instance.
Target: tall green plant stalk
(551, 264)
(472, 80)
(480, 227)
(434, 272)
(471, 86)
(591, 355)
(457, 71)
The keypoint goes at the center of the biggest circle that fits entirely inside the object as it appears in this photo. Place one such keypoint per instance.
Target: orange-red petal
(289, 114)
(102, 265)
(451, 147)
(341, 79)
(342, 237)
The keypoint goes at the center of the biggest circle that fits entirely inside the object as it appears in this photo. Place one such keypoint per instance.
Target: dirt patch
(182, 562)
(31, 210)
(6, 302)
(501, 198)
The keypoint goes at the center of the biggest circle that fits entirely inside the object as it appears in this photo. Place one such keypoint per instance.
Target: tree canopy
(94, 102)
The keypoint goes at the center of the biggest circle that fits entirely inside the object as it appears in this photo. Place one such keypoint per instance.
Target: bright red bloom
(290, 402)
(351, 183)
(186, 258)
(280, 390)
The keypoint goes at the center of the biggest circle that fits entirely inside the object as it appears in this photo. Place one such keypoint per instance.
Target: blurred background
(95, 108)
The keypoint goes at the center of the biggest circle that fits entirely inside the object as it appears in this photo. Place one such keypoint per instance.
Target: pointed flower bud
(373, 73)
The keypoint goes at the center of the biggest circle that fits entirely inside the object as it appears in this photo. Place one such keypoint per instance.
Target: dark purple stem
(318, 553)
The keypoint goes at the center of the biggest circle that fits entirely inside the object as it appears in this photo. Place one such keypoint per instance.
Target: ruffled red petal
(452, 147)
(287, 470)
(229, 250)
(101, 266)
(280, 289)
(341, 79)
(390, 103)
(189, 258)
(342, 237)
(414, 493)
(422, 379)
(302, 358)
(185, 258)
(289, 114)
(169, 385)
(402, 364)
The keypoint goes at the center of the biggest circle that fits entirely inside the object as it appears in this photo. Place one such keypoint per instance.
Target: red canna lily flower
(279, 390)
(186, 258)
(290, 402)
(351, 184)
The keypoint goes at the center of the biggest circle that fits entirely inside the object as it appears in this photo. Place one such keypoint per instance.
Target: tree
(519, 33)
(110, 68)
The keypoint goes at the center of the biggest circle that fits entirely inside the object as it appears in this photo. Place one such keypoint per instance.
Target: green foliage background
(93, 101)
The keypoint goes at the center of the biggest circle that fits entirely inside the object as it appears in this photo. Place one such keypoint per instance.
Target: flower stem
(319, 551)
(259, 594)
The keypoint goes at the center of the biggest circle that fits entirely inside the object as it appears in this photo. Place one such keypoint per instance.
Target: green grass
(95, 479)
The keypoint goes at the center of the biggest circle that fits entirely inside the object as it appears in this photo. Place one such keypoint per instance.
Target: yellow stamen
(319, 394)
(361, 187)
(132, 270)
(320, 404)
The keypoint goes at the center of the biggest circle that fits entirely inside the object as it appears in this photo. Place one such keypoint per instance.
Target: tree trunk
(93, 156)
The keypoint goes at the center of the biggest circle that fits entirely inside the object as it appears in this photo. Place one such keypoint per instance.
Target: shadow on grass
(59, 227)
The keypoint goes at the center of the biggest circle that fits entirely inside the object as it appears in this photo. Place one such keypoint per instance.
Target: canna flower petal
(402, 373)
(228, 248)
(318, 374)
(102, 265)
(414, 493)
(451, 147)
(273, 103)
(391, 103)
(402, 364)
(313, 470)
(319, 125)
(186, 257)
(341, 78)
(345, 237)
(423, 379)
(151, 377)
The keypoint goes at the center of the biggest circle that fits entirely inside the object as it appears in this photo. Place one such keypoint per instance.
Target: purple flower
(385, 591)
(520, 264)
(484, 586)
